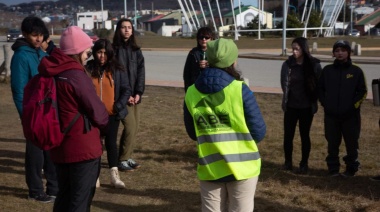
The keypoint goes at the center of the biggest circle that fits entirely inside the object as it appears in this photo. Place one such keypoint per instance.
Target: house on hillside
(368, 21)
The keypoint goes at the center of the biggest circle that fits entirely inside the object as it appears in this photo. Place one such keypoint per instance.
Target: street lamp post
(102, 14)
(135, 16)
(351, 7)
(125, 8)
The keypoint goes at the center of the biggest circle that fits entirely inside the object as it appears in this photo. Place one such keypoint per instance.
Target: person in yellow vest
(222, 115)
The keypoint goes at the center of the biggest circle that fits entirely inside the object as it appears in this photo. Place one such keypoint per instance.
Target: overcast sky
(14, 2)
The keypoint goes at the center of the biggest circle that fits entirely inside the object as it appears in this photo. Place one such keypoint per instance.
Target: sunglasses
(203, 37)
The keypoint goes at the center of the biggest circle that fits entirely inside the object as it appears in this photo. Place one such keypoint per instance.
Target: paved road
(166, 67)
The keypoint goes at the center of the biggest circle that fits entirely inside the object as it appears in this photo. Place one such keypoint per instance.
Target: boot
(97, 183)
(115, 178)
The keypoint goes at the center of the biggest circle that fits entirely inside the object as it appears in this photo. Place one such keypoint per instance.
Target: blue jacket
(212, 80)
(24, 66)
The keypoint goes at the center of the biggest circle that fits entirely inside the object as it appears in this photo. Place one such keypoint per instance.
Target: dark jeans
(77, 185)
(349, 129)
(110, 141)
(305, 118)
(36, 160)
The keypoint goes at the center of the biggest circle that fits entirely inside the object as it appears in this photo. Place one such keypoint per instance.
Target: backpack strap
(67, 129)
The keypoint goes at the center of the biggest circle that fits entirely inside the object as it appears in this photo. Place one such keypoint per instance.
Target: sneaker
(333, 174)
(124, 166)
(287, 167)
(133, 164)
(44, 198)
(304, 169)
(347, 174)
(375, 178)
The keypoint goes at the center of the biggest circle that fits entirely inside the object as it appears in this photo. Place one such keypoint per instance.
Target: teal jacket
(24, 66)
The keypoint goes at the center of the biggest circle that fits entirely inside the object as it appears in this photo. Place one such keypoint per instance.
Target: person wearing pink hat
(77, 159)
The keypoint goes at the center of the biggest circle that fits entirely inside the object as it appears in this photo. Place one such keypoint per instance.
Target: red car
(91, 35)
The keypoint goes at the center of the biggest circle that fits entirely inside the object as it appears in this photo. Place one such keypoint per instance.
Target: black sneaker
(44, 198)
(287, 167)
(133, 164)
(375, 178)
(348, 174)
(304, 169)
(333, 174)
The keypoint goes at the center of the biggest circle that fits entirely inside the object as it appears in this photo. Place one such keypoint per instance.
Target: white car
(354, 33)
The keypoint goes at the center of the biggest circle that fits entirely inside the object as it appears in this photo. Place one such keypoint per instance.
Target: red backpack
(40, 121)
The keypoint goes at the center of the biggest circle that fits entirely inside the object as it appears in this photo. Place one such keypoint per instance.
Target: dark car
(91, 35)
(374, 32)
(13, 34)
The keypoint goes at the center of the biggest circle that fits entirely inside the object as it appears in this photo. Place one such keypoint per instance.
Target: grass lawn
(167, 178)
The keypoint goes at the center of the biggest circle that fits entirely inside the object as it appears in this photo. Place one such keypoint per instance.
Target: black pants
(305, 118)
(77, 185)
(111, 141)
(36, 160)
(349, 129)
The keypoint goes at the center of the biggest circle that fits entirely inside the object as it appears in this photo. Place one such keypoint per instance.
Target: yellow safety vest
(224, 143)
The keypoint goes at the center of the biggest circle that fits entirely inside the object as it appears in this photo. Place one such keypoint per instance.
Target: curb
(322, 59)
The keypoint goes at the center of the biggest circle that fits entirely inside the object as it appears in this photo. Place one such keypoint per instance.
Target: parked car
(91, 35)
(13, 34)
(354, 33)
(374, 32)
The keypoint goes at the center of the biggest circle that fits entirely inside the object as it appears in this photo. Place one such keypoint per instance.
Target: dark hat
(342, 43)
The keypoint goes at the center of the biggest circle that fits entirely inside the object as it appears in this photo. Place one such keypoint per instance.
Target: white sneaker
(98, 183)
(115, 178)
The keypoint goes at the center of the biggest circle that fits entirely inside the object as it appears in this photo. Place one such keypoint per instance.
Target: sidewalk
(275, 54)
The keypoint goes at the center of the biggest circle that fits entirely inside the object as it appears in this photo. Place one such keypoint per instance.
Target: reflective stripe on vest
(225, 146)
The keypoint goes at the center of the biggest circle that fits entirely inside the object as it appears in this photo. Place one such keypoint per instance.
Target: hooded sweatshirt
(75, 93)
(24, 65)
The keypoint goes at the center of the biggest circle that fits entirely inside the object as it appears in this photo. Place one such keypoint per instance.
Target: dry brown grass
(167, 179)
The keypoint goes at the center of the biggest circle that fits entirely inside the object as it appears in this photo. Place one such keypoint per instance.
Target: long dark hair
(111, 64)
(308, 67)
(233, 71)
(118, 40)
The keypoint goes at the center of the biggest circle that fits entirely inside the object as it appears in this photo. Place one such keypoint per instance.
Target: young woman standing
(112, 86)
(299, 75)
(77, 159)
(129, 54)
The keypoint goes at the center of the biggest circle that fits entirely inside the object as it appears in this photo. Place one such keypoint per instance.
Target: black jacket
(133, 61)
(289, 65)
(342, 88)
(122, 90)
(192, 70)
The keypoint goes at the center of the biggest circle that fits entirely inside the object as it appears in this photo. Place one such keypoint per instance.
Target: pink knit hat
(74, 41)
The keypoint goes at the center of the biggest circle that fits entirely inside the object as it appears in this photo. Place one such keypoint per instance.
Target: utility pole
(125, 9)
(284, 14)
(351, 7)
(102, 14)
(135, 16)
